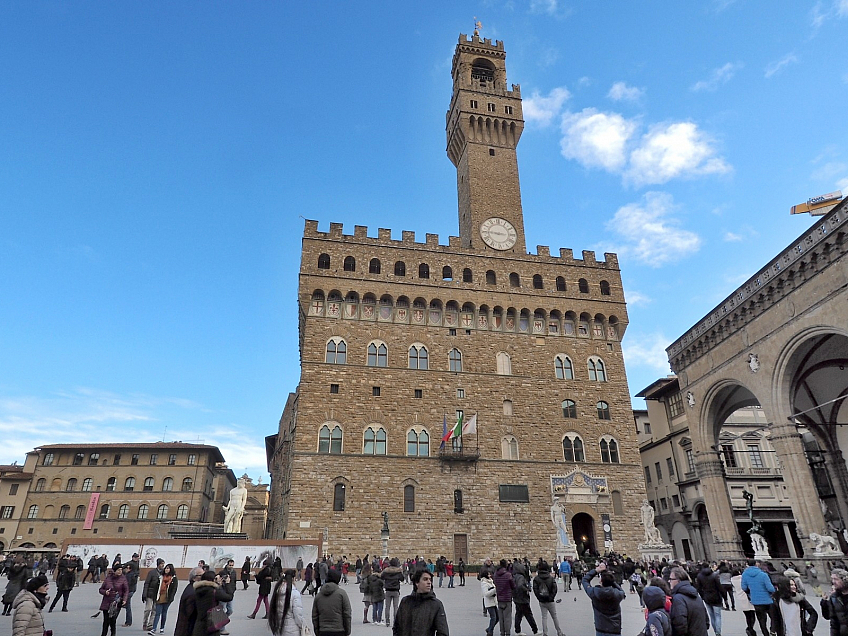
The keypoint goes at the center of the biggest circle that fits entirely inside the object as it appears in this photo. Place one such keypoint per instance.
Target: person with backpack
(521, 598)
(545, 590)
(657, 622)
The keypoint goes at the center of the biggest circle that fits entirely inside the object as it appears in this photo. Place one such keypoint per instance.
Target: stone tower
(484, 124)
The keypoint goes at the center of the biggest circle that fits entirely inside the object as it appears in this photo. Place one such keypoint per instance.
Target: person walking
(150, 592)
(377, 594)
(164, 597)
(795, 613)
(331, 613)
(365, 588)
(460, 569)
(724, 578)
(490, 601)
(606, 600)
(392, 577)
(65, 579)
(286, 615)
(307, 579)
(545, 589)
(131, 572)
(449, 572)
(521, 598)
(114, 590)
(657, 621)
(709, 588)
(208, 593)
(228, 582)
(688, 615)
(18, 574)
(742, 602)
(421, 613)
(299, 569)
(565, 573)
(245, 572)
(834, 603)
(263, 580)
(759, 587)
(505, 585)
(27, 606)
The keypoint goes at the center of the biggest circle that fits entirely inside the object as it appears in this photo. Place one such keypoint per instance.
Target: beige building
(14, 484)
(131, 490)
(674, 489)
(400, 338)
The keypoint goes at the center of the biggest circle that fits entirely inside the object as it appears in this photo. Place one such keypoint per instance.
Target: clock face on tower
(498, 233)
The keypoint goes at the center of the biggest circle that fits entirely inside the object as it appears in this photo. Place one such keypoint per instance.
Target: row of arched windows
(569, 409)
(418, 357)
(465, 316)
(375, 442)
(123, 512)
(376, 267)
(112, 483)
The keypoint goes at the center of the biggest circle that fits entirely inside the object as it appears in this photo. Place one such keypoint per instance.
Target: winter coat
(245, 571)
(171, 592)
(758, 584)
(375, 588)
(131, 572)
(688, 614)
(187, 612)
(489, 592)
(263, 578)
(293, 619)
(27, 619)
(835, 609)
(743, 603)
(521, 595)
(331, 610)
(545, 587)
(113, 587)
(421, 615)
(505, 585)
(709, 587)
(65, 578)
(606, 604)
(392, 577)
(809, 616)
(657, 621)
(17, 576)
(151, 585)
(207, 594)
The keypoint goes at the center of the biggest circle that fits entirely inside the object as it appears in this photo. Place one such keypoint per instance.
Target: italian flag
(454, 431)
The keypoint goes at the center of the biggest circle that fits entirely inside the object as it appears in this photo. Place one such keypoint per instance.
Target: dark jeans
(763, 611)
(108, 623)
(64, 594)
(522, 610)
(461, 579)
(750, 619)
(128, 607)
(727, 593)
(493, 619)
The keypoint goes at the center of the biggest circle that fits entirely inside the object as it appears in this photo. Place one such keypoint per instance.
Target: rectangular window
(491, 107)
(670, 465)
(690, 460)
(409, 498)
(508, 110)
(93, 459)
(78, 458)
(451, 332)
(658, 468)
(647, 428)
(154, 457)
(334, 388)
(728, 456)
(674, 405)
(664, 503)
(419, 393)
(460, 393)
(473, 103)
(172, 460)
(117, 460)
(755, 455)
(375, 391)
(491, 154)
(192, 460)
(457, 502)
(676, 501)
(48, 459)
(648, 475)
(514, 493)
(13, 489)
(134, 460)
(6, 512)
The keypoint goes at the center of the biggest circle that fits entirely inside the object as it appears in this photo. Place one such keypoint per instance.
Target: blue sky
(158, 160)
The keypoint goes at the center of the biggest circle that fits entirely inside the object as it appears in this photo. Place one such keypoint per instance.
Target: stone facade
(492, 321)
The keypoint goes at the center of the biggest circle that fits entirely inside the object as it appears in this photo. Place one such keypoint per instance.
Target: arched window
(87, 484)
(32, 513)
(418, 357)
(167, 484)
(339, 497)
(104, 511)
(40, 484)
(124, 511)
(491, 277)
(162, 512)
(569, 409)
(148, 484)
(63, 512)
(597, 371)
(537, 282)
(605, 288)
(142, 511)
(418, 443)
(504, 363)
(374, 266)
(79, 513)
(48, 460)
(336, 351)
(182, 512)
(324, 261)
(583, 286)
(609, 450)
(467, 277)
(71, 486)
(423, 271)
(563, 368)
(509, 447)
(409, 498)
(330, 441)
(507, 407)
(374, 441)
(603, 410)
(349, 264)
(400, 268)
(514, 280)
(572, 448)
(560, 283)
(447, 273)
(111, 484)
(455, 360)
(188, 484)
(378, 354)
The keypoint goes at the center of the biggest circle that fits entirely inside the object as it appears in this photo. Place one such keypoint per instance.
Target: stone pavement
(462, 604)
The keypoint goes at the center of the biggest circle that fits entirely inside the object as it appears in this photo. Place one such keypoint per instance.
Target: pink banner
(92, 510)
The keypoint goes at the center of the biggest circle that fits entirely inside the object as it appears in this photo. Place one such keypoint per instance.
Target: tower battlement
(477, 41)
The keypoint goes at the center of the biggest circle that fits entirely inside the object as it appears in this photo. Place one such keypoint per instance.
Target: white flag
(469, 427)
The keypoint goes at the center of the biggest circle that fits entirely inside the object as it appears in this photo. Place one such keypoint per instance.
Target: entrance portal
(583, 531)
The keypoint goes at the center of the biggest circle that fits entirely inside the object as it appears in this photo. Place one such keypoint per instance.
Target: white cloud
(596, 139)
(636, 299)
(650, 234)
(731, 237)
(544, 6)
(719, 76)
(842, 184)
(829, 171)
(841, 8)
(542, 110)
(646, 350)
(584, 81)
(678, 149)
(775, 67)
(620, 91)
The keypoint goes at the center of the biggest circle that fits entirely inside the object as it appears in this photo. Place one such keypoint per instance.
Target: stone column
(726, 542)
(789, 542)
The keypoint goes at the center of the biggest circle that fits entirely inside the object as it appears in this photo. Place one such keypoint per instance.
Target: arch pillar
(726, 542)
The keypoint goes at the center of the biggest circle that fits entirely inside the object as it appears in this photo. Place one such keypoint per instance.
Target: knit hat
(36, 582)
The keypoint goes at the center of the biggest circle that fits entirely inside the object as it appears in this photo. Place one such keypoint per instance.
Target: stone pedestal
(384, 536)
(567, 551)
(656, 551)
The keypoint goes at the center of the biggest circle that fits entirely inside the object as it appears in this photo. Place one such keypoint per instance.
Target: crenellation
(408, 236)
(432, 239)
(543, 250)
(566, 253)
(310, 229)
(589, 257)
(336, 230)
(384, 234)
(454, 242)
(611, 259)
(360, 231)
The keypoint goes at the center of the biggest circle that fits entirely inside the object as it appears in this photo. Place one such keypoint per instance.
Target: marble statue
(758, 542)
(652, 533)
(560, 523)
(234, 510)
(824, 544)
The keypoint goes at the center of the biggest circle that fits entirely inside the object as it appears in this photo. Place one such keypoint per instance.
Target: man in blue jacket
(757, 584)
(565, 573)
(606, 601)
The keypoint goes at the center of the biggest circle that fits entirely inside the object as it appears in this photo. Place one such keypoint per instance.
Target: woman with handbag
(208, 596)
(115, 591)
(263, 579)
(286, 615)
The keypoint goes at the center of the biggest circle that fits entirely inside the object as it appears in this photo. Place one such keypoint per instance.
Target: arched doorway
(583, 531)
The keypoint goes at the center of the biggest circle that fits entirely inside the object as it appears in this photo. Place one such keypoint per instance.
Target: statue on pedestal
(558, 518)
(652, 533)
(234, 510)
(825, 544)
